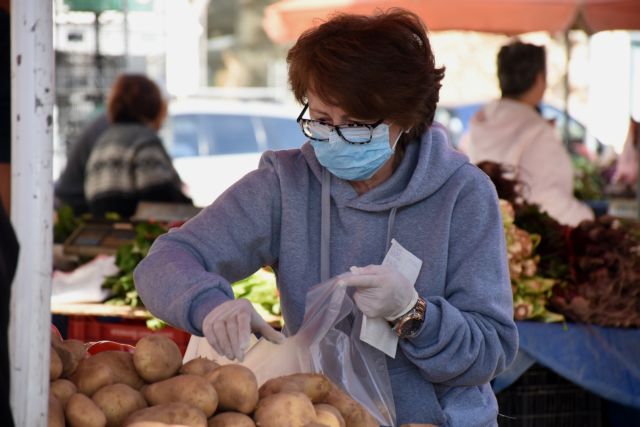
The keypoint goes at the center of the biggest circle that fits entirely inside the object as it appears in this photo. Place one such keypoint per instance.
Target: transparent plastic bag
(328, 342)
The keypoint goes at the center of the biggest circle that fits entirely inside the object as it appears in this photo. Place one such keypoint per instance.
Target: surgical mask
(355, 162)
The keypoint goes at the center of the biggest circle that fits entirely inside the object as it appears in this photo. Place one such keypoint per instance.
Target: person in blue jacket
(374, 168)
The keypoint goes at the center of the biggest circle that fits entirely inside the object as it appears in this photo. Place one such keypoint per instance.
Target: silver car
(214, 143)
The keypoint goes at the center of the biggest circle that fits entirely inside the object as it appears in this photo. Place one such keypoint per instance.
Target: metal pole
(32, 98)
(634, 107)
(125, 22)
(99, 83)
(567, 89)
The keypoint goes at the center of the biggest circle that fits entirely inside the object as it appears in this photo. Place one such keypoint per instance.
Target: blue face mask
(355, 162)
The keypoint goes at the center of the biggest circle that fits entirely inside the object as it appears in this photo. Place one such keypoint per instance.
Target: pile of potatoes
(153, 388)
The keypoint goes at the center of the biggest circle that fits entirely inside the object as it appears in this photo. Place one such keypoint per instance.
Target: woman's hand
(228, 328)
(381, 291)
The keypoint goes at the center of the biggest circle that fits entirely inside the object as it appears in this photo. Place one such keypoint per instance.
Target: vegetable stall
(576, 297)
(593, 350)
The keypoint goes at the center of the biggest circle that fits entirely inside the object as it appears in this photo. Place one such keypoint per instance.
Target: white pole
(32, 97)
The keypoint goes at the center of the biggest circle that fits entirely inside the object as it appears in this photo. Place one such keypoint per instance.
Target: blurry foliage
(588, 179)
(65, 223)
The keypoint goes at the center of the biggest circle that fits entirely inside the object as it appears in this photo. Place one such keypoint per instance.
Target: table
(605, 361)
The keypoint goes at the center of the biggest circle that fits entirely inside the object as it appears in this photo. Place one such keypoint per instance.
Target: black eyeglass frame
(302, 123)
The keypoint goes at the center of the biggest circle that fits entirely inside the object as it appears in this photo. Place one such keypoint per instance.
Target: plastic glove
(381, 291)
(228, 328)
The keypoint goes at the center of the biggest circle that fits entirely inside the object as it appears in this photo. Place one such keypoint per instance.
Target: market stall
(33, 283)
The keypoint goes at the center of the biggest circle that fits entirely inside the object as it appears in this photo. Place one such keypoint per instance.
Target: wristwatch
(408, 325)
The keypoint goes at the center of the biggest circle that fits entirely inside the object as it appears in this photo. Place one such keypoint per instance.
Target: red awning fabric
(285, 20)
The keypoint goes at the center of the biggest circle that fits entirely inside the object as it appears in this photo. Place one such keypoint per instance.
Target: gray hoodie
(445, 211)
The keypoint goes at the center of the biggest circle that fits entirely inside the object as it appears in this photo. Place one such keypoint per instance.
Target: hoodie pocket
(414, 397)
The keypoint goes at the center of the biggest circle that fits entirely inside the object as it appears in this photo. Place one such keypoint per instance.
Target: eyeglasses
(353, 133)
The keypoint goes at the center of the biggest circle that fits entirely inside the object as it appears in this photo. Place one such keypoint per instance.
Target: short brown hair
(135, 98)
(518, 66)
(372, 67)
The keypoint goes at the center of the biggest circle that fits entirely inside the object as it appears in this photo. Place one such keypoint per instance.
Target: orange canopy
(285, 20)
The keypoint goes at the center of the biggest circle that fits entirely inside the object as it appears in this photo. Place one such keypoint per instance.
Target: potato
(315, 386)
(286, 409)
(117, 401)
(56, 339)
(56, 413)
(231, 419)
(154, 424)
(353, 413)
(157, 358)
(63, 390)
(237, 388)
(199, 366)
(190, 389)
(328, 415)
(106, 368)
(169, 413)
(91, 377)
(71, 352)
(55, 365)
(83, 412)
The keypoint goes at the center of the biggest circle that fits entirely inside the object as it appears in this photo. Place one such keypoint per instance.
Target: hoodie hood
(497, 128)
(425, 167)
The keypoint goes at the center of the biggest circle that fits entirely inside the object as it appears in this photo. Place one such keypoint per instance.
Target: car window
(576, 130)
(228, 134)
(282, 133)
(209, 134)
(180, 136)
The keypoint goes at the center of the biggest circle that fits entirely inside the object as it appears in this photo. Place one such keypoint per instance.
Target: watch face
(410, 327)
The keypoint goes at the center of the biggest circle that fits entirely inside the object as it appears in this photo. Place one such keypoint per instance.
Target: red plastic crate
(126, 331)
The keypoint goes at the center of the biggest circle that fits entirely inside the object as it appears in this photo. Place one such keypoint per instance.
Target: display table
(605, 361)
(124, 324)
(100, 310)
(97, 322)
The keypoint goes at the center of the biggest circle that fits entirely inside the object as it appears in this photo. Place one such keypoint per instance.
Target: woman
(512, 132)
(128, 163)
(374, 169)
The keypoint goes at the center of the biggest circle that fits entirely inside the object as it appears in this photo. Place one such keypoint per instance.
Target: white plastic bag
(327, 342)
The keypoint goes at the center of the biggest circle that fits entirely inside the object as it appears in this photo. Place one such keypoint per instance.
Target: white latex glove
(228, 328)
(381, 291)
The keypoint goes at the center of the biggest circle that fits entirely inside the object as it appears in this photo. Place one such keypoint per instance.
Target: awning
(285, 20)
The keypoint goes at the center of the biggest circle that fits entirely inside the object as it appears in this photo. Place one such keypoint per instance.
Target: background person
(512, 132)
(8, 241)
(5, 106)
(388, 173)
(69, 189)
(129, 164)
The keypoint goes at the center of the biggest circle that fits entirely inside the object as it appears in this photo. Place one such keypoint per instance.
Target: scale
(96, 237)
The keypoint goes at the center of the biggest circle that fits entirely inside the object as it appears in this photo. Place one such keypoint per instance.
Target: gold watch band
(405, 325)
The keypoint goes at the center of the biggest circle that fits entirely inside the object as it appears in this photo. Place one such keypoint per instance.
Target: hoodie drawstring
(325, 226)
(390, 223)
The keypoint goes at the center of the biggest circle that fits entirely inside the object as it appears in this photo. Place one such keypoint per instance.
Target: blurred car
(456, 119)
(213, 143)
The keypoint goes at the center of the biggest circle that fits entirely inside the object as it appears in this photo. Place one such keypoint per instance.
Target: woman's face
(318, 110)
